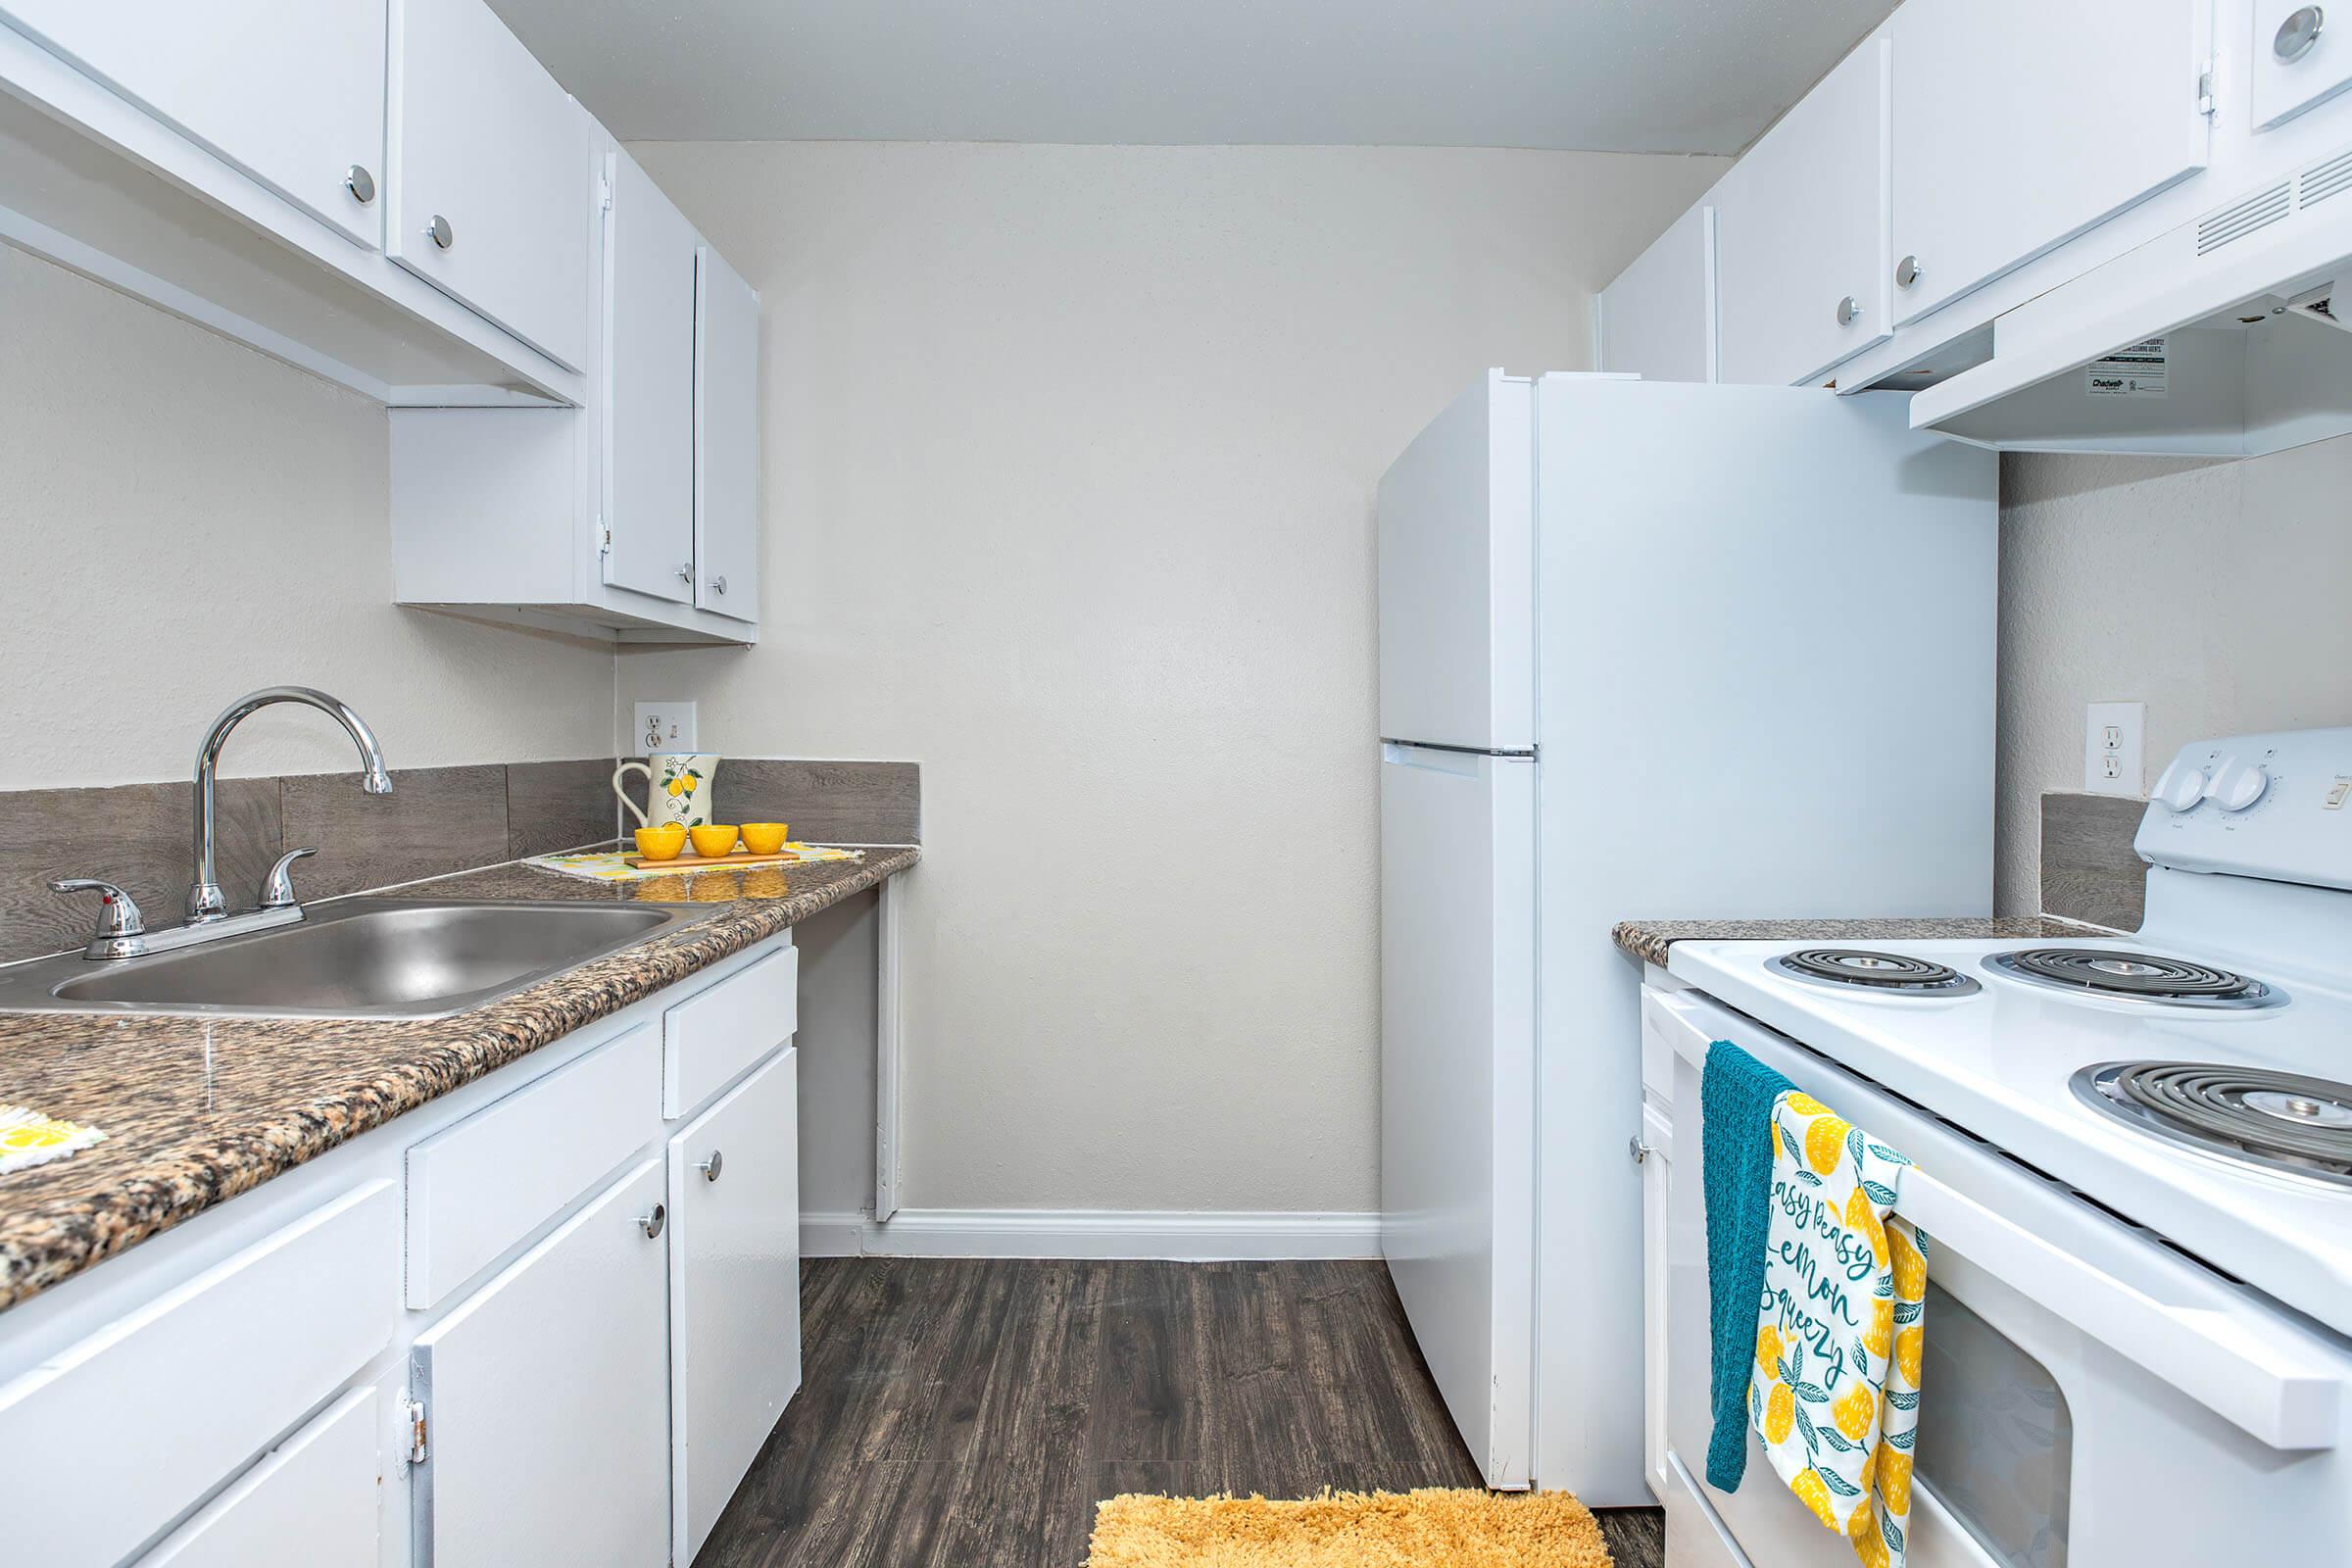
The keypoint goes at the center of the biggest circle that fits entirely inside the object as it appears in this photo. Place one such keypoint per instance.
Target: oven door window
(1996, 1437)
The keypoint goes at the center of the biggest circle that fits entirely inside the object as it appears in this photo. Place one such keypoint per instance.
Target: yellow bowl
(713, 840)
(764, 838)
(661, 843)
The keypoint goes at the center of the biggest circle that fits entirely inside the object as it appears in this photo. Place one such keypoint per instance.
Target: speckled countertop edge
(1651, 940)
(198, 1111)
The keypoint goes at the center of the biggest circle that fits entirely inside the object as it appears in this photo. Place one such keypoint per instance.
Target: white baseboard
(1191, 1235)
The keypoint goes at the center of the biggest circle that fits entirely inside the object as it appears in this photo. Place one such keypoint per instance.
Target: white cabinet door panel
(547, 1400)
(2020, 123)
(491, 156)
(735, 1289)
(1800, 233)
(726, 437)
(314, 1502)
(2298, 59)
(649, 388)
(291, 91)
(1657, 318)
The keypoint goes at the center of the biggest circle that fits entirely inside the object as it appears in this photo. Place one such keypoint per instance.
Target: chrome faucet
(205, 903)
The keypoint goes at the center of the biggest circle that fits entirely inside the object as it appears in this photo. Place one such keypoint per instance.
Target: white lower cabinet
(314, 1502)
(735, 1289)
(1658, 1175)
(547, 1400)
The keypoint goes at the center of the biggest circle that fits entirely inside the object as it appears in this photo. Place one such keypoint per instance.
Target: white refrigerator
(1647, 649)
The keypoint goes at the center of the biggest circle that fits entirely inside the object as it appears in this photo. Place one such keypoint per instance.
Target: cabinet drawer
(477, 1189)
(709, 1041)
(119, 1432)
(312, 1503)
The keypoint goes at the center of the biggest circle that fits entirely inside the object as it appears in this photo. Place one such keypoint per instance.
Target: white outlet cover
(663, 727)
(2114, 735)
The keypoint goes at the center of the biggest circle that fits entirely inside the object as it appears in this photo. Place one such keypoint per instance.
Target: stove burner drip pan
(2135, 977)
(2280, 1121)
(1865, 969)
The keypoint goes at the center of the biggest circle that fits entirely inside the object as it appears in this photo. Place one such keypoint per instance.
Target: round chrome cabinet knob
(718, 585)
(360, 185)
(653, 1223)
(440, 234)
(2238, 785)
(2298, 33)
(2180, 788)
(713, 1166)
(1849, 310)
(1906, 271)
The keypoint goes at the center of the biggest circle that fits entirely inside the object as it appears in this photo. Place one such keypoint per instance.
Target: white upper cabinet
(1801, 232)
(490, 190)
(649, 388)
(726, 433)
(2018, 124)
(1657, 319)
(2299, 59)
(290, 92)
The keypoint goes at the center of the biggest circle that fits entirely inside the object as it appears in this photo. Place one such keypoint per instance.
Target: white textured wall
(2220, 593)
(181, 520)
(1069, 464)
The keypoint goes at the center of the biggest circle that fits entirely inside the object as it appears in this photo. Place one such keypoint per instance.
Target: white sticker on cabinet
(2138, 372)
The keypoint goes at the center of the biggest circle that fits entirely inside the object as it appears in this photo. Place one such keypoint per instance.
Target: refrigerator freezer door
(1457, 620)
(1767, 672)
(1457, 1081)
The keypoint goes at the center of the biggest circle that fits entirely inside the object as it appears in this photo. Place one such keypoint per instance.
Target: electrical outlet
(2112, 735)
(664, 727)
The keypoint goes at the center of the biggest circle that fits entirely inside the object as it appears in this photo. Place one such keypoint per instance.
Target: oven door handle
(2268, 1388)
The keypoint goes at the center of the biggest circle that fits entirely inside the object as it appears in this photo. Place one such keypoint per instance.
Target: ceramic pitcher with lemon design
(677, 789)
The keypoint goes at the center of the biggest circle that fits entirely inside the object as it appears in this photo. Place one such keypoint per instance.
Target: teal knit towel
(1736, 1093)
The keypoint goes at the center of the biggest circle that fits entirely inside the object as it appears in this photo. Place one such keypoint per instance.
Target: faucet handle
(277, 888)
(120, 929)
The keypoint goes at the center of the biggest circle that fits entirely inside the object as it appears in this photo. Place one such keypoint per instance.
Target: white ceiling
(1667, 75)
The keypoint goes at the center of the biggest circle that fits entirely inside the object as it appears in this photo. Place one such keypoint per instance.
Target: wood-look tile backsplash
(2088, 868)
(435, 820)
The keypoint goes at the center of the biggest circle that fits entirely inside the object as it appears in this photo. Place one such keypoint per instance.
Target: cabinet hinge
(2205, 104)
(413, 1412)
(604, 195)
(605, 532)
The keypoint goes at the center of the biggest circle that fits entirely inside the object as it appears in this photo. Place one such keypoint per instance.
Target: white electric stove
(2140, 1149)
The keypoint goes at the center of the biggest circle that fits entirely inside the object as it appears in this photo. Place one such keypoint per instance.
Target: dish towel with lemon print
(1836, 1390)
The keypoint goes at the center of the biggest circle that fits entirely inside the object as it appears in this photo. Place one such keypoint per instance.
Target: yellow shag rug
(1436, 1528)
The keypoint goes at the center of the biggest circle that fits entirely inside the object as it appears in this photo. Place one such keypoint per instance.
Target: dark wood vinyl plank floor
(971, 1413)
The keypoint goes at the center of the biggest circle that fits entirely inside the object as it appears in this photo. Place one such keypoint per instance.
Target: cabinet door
(491, 174)
(649, 388)
(546, 1398)
(1657, 1171)
(735, 1289)
(2018, 124)
(291, 91)
(311, 1503)
(2298, 59)
(1800, 233)
(1657, 319)
(726, 439)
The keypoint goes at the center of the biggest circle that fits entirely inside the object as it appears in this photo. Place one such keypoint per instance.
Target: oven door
(2092, 1398)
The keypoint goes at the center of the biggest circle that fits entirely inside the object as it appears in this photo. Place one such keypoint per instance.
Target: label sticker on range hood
(2138, 372)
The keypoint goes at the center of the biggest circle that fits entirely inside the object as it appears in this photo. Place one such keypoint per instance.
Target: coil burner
(2135, 977)
(1886, 974)
(2280, 1121)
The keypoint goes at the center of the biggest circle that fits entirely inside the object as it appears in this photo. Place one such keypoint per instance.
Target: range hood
(2229, 337)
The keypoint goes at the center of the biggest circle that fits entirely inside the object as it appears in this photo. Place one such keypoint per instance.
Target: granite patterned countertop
(197, 1110)
(1649, 939)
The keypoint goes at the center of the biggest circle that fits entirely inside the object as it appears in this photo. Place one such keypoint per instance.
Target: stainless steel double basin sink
(359, 957)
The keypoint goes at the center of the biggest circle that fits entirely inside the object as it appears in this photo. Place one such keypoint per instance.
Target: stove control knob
(2238, 785)
(2181, 787)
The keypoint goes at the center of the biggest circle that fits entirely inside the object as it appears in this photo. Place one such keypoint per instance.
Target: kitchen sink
(370, 958)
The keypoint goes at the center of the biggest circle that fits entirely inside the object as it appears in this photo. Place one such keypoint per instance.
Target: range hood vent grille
(2321, 180)
(2239, 218)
